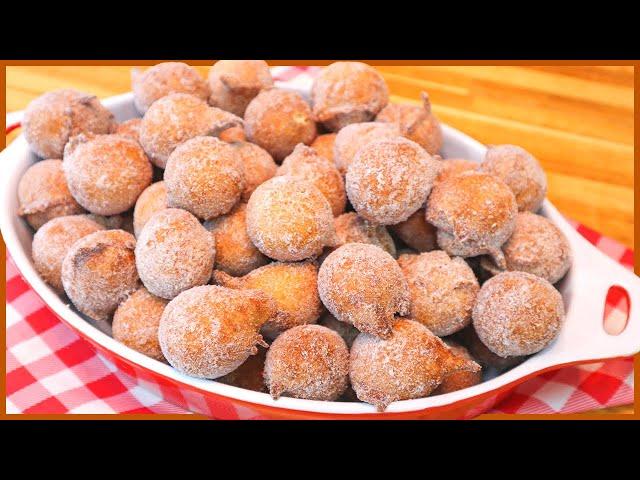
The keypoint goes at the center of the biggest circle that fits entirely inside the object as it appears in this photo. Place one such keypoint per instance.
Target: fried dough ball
(235, 254)
(176, 118)
(455, 166)
(520, 171)
(99, 272)
(289, 220)
(129, 128)
(152, 200)
(461, 379)
(416, 232)
(390, 179)
(106, 173)
(410, 363)
(323, 144)
(517, 314)
(304, 163)
(277, 120)
(416, 123)
(164, 79)
(209, 331)
(443, 291)
(536, 246)
(174, 253)
(249, 375)
(43, 194)
(204, 176)
(351, 228)
(475, 213)
(292, 286)
(348, 92)
(363, 285)
(355, 136)
(51, 119)
(136, 321)
(234, 83)
(52, 242)
(482, 354)
(346, 331)
(308, 361)
(258, 166)
(233, 134)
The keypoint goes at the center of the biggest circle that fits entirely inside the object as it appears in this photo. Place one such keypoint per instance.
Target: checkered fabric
(50, 369)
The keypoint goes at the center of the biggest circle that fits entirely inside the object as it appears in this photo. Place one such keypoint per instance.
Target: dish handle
(593, 277)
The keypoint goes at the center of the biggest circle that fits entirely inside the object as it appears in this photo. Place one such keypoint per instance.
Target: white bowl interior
(583, 289)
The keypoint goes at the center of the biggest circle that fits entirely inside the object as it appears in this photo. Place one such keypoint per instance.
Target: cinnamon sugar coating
(461, 379)
(174, 253)
(258, 166)
(99, 272)
(416, 232)
(308, 361)
(234, 83)
(348, 92)
(292, 286)
(106, 173)
(350, 228)
(164, 79)
(355, 136)
(43, 194)
(150, 201)
(443, 291)
(410, 363)
(289, 220)
(475, 213)
(520, 171)
(390, 179)
(129, 128)
(278, 120)
(417, 123)
(204, 176)
(304, 163)
(53, 118)
(363, 285)
(485, 357)
(323, 144)
(52, 242)
(455, 166)
(176, 118)
(536, 246)
(209, 331)
(136, 321)
(235, 253)
(517, 314)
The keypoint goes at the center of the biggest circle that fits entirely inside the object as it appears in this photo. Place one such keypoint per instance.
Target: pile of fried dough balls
(318, 249)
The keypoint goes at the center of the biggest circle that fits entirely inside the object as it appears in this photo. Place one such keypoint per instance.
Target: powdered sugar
(348, 92)
(443, 291)
(390, 179)
(289, 219)
(517, 313)
(204, 176)
(363, 285)
(174, 253)
(309, 361)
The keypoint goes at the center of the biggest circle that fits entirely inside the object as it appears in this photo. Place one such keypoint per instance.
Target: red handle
(12, 127)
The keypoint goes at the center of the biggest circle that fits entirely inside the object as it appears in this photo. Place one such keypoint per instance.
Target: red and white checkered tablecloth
(50, 369)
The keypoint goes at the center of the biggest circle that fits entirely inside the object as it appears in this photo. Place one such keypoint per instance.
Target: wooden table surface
(577, 120)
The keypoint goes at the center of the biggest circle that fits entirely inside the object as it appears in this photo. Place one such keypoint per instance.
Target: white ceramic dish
(584, 290)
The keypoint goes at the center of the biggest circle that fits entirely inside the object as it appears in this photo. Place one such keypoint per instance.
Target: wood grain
(577, 120)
